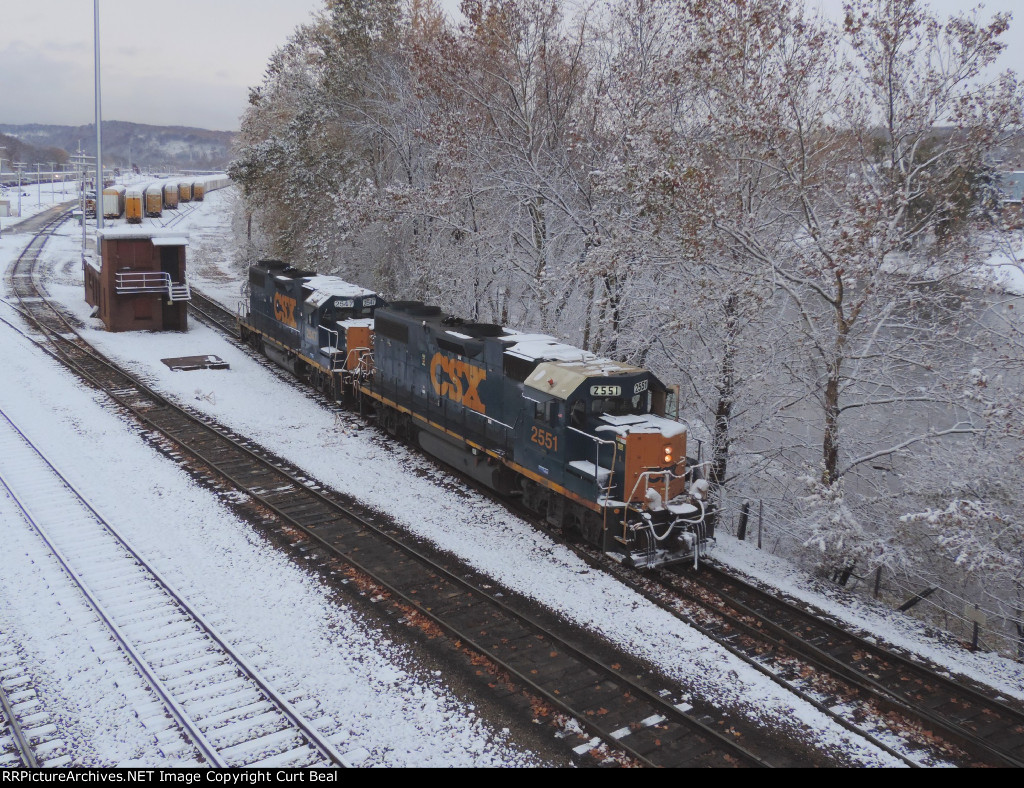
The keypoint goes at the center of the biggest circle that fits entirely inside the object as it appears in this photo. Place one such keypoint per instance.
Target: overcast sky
(186, 62)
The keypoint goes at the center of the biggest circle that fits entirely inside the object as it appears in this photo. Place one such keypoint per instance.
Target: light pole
(1, 185)
(53, 175)
(99, 123)
(39, 186)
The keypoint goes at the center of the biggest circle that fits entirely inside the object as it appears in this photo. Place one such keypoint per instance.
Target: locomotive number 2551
(544, 439)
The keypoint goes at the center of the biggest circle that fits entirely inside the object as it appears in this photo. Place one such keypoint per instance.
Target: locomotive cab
(339, 321)
(619, 450)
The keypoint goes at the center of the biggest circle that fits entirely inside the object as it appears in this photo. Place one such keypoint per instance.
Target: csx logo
(284, 309)
(457, 380)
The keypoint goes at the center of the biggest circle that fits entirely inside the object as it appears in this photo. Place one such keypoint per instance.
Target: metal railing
(151, 282)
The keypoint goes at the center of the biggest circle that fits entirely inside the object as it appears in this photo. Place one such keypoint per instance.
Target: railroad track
(183, 210)
(28, 735)
(214, 315)
(210, 699)
(866, 688)
(986, 727)
(614, 708)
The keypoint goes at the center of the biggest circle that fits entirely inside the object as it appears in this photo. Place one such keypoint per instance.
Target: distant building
(1011, 186)
(140, 284)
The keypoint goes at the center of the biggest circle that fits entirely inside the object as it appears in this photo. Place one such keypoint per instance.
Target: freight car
(114, 202)
(135, 204)
(170, 190)
(154, 201)
(582, 441)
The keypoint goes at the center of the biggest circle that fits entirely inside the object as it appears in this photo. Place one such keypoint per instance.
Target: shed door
(169, 262)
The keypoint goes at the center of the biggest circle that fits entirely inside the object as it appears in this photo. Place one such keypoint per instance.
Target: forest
(793, 217)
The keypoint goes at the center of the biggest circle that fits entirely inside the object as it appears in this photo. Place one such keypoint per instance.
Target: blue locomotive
(576, 436)
(316, 326)
(582, 441)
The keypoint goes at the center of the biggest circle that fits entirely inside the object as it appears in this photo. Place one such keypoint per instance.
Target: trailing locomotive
(582, 441)
(318, 327)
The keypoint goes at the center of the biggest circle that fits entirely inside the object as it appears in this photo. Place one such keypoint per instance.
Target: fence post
(742, 530)
(917, 598)
(977, 617)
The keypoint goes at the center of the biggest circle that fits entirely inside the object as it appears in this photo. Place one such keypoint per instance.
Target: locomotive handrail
(669, 475)
(331, 332)
(597, 456)
(611, 476)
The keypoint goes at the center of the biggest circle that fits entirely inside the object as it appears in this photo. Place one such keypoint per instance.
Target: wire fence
(978, 618)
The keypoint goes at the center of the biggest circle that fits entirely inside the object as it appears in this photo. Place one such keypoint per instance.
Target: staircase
(179, 291)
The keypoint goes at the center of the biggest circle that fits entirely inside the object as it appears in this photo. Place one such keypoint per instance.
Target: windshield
(638, 404)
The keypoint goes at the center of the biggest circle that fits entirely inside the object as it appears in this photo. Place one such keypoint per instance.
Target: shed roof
(159, 235)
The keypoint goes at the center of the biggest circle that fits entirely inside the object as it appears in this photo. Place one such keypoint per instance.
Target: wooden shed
(140, 285)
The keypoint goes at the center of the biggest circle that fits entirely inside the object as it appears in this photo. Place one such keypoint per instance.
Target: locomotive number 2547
(544, 439)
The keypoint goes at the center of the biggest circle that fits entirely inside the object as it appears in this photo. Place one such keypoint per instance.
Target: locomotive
(583, 442)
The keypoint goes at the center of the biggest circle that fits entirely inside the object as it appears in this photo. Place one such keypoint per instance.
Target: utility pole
(82, 162)
(20, 166)
(53, 175)
(39, 185)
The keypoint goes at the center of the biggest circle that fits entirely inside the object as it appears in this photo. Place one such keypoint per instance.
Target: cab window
(546, 412)
(638, 404)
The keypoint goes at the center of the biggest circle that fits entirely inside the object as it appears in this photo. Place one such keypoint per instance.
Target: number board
(544, 439)
(344, 303)
(606, 391)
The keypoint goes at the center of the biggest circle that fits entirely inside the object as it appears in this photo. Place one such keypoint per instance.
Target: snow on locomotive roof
(646, 422)
(541, 347)
(336, 287)
(537, 347)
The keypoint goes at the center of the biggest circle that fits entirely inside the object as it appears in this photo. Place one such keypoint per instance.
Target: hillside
(163, 147)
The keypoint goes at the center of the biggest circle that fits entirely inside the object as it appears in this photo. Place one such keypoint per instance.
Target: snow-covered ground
(377, 694)
(297, 632)
(33, 200)
(1006, 267)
